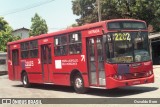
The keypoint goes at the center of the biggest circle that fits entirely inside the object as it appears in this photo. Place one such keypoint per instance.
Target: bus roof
(72, 29)
(125, 20)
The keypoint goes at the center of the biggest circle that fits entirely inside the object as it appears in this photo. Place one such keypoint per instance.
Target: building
(155, 45)
(22, 32)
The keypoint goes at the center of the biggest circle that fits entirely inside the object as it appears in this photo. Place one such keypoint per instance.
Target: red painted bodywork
(33, 66)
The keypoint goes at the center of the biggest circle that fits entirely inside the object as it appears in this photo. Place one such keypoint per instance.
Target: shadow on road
(118, 92)
(49, 87)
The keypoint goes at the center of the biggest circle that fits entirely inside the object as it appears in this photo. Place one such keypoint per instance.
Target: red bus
(108, 54)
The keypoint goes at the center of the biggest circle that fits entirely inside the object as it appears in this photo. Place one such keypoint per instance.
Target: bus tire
(79, 84)
(25, 80)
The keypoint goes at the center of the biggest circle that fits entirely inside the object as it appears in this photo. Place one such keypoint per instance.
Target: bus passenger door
(15, 63)
(46, 60)
(96, 61)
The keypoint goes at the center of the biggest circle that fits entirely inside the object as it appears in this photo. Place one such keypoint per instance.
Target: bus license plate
(136, 82)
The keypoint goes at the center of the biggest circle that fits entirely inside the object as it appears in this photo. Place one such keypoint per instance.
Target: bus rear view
(127, 53)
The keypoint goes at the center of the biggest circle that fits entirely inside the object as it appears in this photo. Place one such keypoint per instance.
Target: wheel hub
(25, 80)
(78, 82)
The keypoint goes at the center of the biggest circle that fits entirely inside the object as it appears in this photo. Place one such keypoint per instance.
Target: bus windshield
(127, 47)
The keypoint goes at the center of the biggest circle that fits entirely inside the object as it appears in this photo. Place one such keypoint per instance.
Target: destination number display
(122, 36)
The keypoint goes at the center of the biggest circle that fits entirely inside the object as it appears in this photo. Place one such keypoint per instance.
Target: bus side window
(25, 50)
(33, 49)
(109, 48)
(75, 43)
(60, 45)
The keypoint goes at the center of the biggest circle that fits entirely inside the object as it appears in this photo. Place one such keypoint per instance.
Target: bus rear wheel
(25, 80)
(79, 84)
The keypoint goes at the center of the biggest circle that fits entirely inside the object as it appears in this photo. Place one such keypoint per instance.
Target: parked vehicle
(3, 63)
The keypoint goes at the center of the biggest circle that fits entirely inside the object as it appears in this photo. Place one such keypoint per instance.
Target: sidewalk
(156, 66)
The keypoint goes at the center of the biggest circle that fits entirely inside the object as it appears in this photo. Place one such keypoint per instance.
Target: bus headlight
(120, 77)
(147, 74)
(150, 72)
(115, 77)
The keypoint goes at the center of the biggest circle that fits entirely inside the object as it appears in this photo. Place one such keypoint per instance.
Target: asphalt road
(14, 89)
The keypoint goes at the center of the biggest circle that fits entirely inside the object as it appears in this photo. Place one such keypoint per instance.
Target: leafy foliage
(148, 10)
(5, 34)
(38, 26)
(85, 9)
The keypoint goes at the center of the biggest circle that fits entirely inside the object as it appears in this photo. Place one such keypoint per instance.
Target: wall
(23, 33)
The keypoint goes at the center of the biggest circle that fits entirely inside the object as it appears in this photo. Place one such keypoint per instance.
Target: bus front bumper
(113, 83)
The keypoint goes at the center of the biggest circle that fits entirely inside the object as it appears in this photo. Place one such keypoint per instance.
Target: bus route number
(122, 36)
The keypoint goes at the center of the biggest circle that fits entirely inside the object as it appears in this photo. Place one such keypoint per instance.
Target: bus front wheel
(25, 80)
(79, 84)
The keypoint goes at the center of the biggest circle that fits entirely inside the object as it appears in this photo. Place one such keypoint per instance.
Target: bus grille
(135, 75)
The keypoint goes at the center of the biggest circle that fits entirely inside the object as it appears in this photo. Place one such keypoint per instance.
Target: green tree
(38, 26)
(148, 10)
(6, 34)
(86, 10)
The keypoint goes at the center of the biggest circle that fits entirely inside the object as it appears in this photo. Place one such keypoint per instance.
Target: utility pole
(99, 10)
(128, 8)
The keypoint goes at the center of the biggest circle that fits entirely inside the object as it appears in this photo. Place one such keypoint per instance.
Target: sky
(57, 13)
